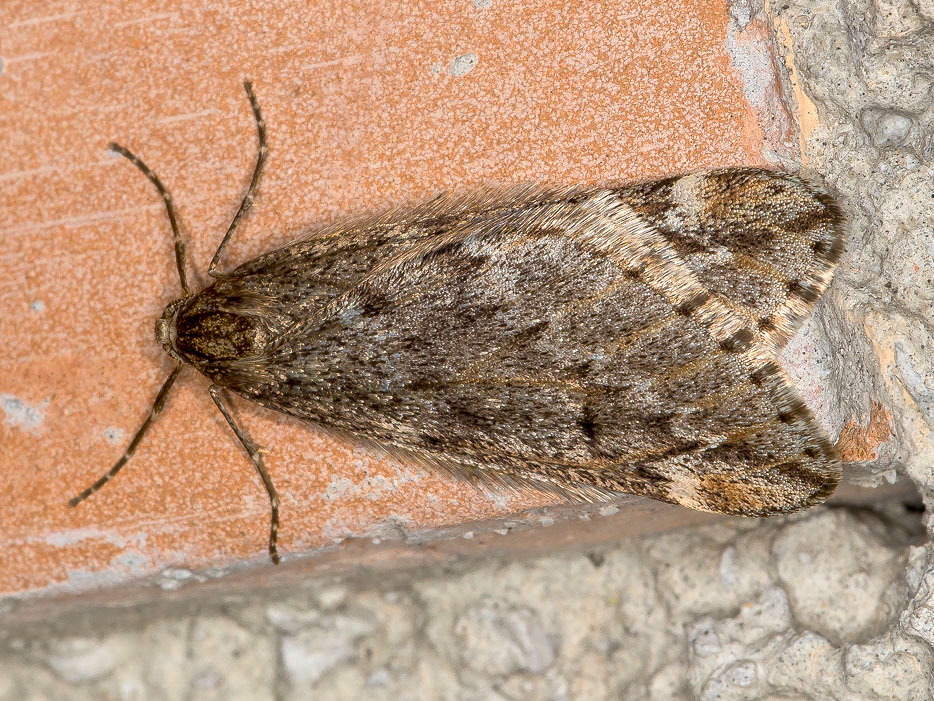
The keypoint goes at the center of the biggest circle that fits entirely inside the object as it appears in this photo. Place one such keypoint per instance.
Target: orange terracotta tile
(369, 105)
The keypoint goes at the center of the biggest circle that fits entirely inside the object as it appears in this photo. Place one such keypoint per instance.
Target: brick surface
(369, 105)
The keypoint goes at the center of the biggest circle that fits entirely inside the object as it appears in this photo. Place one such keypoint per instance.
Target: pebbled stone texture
(864, 89)
(723, 612)
(833, 604)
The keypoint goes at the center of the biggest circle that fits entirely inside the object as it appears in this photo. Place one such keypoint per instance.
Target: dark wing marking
(289, 284)
(767, 241)
(569, 343)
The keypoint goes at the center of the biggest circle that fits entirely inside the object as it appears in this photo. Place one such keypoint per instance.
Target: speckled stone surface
(837, 603)
(369, 105)
(720, 612)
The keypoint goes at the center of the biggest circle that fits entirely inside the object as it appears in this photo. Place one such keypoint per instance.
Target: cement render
(812, 606)
(837, 603)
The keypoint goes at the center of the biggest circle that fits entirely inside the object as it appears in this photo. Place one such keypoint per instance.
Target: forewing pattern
(587, 341)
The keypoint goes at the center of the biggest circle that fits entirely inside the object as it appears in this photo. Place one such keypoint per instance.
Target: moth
(585, 341)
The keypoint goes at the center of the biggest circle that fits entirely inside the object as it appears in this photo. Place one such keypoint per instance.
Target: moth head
(203, 329)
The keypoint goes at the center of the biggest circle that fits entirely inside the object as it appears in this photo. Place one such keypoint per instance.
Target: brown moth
(587, 341)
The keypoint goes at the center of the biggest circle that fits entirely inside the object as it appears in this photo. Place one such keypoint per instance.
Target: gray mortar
(833, 604)
(812, 606)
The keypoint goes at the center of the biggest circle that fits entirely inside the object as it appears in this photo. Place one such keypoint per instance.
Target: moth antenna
(255, 453)
(128, 453)
(167, 198)
(247, 201)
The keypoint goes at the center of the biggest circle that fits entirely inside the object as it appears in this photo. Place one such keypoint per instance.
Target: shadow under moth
(586, 341)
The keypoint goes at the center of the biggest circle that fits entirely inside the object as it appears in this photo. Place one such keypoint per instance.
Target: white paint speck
(371, 487)
(71, 536)
(114, 435)
(482, 4)
(462, 65)
(179, 574)
(38, 306)
(435, 68)
(19, 413)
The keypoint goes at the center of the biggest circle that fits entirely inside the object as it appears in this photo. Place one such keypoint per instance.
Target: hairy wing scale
(503, 340)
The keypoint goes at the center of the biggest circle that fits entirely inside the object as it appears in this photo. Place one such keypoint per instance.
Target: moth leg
(247, 201)
(254, 452)
(157, 407)
(167, 199)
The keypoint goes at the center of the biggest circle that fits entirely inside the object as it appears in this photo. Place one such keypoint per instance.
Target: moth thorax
(198, 334)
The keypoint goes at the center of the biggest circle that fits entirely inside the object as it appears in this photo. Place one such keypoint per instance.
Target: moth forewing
(585, 341)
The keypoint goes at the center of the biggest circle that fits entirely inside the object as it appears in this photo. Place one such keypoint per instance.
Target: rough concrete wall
(864, 72)
(813, 607)
(833, 604)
